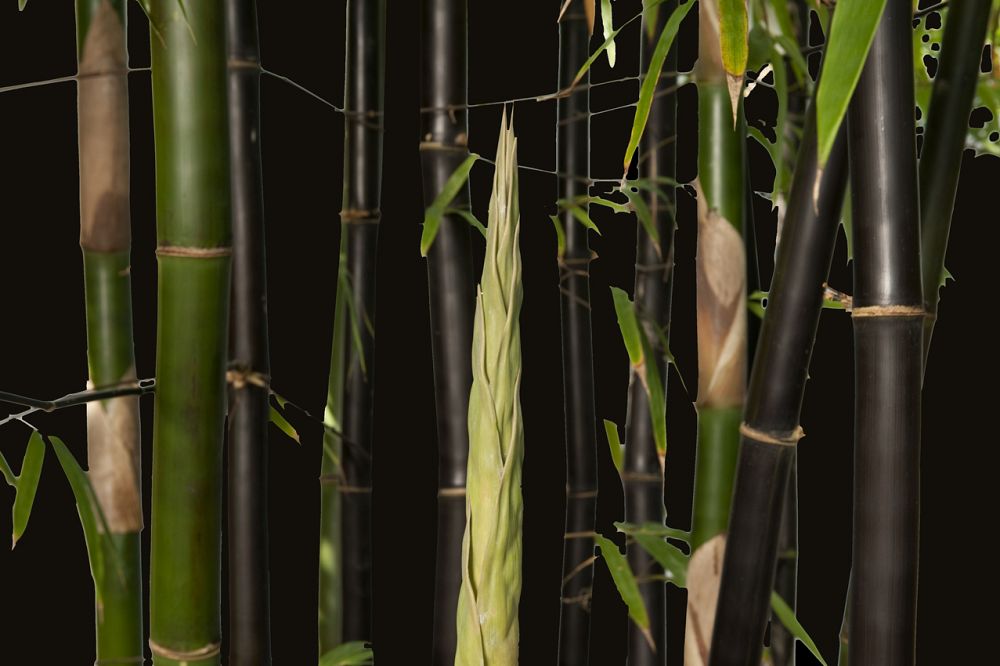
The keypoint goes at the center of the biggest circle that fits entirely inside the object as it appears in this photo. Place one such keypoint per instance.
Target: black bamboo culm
(771, 430)
(444, 133)
(944, 141)
(249, 365)
(359, 220)
(888, 320)
(642, 473)
(578, 365)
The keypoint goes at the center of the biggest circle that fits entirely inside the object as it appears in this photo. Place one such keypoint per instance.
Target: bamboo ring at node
(204, 652)
(771, 438)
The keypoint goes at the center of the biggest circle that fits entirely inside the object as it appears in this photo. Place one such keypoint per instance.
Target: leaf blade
(787, 617)
(435, 212)
(27, 484)
(626, 584)
(614, 444)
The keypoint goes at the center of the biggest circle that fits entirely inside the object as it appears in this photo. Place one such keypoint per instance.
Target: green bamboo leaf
(283, 425)
(560, 236)
(608, 203)
(645, 217)
(435, 212)
(280, 399)
(91, 517)
(609, 30)
(8, 473)
(629, 325)
(653, 529)
(733, 36)
(583, 218)
(354, 653)
(787, 616)
(468, 217)
(652, 77)
(851, 36)
(26, 485)
(670, 557)
(625, 581)
(21, 4)
(614, 444)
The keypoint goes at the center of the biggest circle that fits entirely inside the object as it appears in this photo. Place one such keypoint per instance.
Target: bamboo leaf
(560, 235)
(629, 325)
(609, 30)
(26, 485)
(614, 444)
(787, 617)
(670, 557)
(733, 36)
(583, 218)
(283, 425)
(280, 399)
(353, 316)
(653, 529)
(652, 77)
(645, 217)
(608, 203)
(435, 212)
(91, 517)
(851, 35)
(354, 653)
(8, 473)
(625, 581)
(468, 217)
(21, 4)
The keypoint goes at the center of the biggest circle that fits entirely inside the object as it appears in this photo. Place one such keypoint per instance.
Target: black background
(45, 588)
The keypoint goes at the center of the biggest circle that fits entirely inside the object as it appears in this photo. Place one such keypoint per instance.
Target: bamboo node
(240, 377)
(581, 494)
(446, 147)
(771, 438)
(579, 535)
(889, 311)
(360, 216)
(330, 479)
(458, 491)
(642, 476)
(193, 252)
(348, 489)
(243, 63)
(204, 652)
(118, 661)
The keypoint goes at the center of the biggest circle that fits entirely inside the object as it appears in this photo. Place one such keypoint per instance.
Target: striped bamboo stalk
(643, 473)
(249, 363)
(444, 131)
(944, 141)
(359, 220)
(722, 328)
(575, 29)
(113, 445)
(888, 321)
(771, 429)
(193, 249)
(491, 546)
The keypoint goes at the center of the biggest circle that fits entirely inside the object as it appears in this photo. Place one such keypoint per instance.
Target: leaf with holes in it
(26, 484)
(353, 653)
(628, 588)
(851, 34)
(283, 425)
(615, 444)
(435, 212)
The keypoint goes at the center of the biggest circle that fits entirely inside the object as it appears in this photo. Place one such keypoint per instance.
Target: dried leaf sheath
(491, 547)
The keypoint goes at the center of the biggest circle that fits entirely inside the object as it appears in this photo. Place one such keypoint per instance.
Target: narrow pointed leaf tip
(21, 4)
(609, 30)
(648, 89)
(614, 444)
(627, 586)
(735, 45)
(436, 211)
(26, 485)
(354, 653)
(851, 33)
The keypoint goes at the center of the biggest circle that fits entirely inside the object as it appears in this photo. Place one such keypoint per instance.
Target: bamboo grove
(848, 154)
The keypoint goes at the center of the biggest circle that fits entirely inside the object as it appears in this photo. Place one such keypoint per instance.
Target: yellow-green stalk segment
(491, 547)
(721, 324)
(105, 237)
(188, 44)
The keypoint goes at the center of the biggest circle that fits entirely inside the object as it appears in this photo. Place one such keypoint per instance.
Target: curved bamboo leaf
(787, 617)
(560, 235)
(609, 30)
(26, 485)
(629, 325)
(21, 4)
(653, 529)
(283, 424)
(583, 217)
(614, 444)
(468, 217)
(645, 216)
(625, 581)
(851, 35)
(354, 653)
(435, 212)
(652, 77)
(668, 556)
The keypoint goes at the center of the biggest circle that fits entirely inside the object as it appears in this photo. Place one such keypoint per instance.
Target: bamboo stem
(193, 235)
(643, 475)
(360, 217)
(888, 322)
(774, 400)
(249, 605)
(577, 348)
(113, 444)
(944, 142)
(444, 146)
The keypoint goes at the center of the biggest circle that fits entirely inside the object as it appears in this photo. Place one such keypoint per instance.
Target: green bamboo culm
(491, 547)
(722, 327)
(113, 446)
(188, 45)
